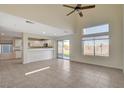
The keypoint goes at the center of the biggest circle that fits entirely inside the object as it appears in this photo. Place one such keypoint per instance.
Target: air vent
(29, 22)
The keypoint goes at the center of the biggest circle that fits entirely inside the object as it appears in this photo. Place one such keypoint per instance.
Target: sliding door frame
(63, 49)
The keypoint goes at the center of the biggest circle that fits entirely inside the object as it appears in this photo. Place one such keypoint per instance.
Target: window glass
(60, 49)
(102, 47)
(97, 46)
(89, 47)
(6, 48)
(96, 40)
(96, 29)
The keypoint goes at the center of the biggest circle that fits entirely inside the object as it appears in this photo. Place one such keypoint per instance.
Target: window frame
(10, 45)
(108, 47)
(83, 47)
(96, 26)
(96, 35)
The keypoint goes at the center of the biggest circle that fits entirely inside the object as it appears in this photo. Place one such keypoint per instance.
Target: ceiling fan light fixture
(78, 8)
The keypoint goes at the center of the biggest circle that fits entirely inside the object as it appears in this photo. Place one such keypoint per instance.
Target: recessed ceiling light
(2, 34)
(44, 32)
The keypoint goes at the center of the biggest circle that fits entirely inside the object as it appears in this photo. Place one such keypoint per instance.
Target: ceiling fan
(79, 9)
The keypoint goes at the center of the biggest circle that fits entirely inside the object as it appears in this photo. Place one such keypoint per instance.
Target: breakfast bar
(39, 54)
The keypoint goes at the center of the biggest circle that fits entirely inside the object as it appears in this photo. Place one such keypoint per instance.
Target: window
(6, 48)
(96, 29)
(95, 40)
(88, 47)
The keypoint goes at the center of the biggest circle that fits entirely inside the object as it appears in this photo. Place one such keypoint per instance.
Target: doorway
(63, 49)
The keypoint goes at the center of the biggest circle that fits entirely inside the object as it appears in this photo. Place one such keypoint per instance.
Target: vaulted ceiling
(51, 17)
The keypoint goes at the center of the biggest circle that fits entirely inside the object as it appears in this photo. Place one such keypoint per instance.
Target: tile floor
(58, 74)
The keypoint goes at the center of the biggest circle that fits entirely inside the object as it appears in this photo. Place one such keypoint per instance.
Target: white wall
(123, 35)
(18, 46)
(25, 47)
(110, 14)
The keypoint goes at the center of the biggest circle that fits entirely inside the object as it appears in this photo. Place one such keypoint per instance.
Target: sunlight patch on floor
(35, 71)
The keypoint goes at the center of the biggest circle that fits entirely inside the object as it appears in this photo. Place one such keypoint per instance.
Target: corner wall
(123, 35)
(102, 14)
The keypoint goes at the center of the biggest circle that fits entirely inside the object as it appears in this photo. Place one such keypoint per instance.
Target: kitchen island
(39, 54)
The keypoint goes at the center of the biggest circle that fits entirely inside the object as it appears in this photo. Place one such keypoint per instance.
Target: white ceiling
(17, 24)
(9, 33)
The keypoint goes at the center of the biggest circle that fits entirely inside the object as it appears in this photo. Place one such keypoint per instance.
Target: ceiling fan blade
(71, 12)
(87, 7)
(69, 6)
(81, 14)
(78, 5)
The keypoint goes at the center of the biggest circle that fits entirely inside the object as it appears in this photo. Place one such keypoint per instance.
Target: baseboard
(37, 61)
(97, 65)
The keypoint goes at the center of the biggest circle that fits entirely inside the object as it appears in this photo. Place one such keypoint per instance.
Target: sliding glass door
(64, 49)
(60, 49)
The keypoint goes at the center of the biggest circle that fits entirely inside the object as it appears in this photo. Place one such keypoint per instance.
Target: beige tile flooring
(60, 74)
